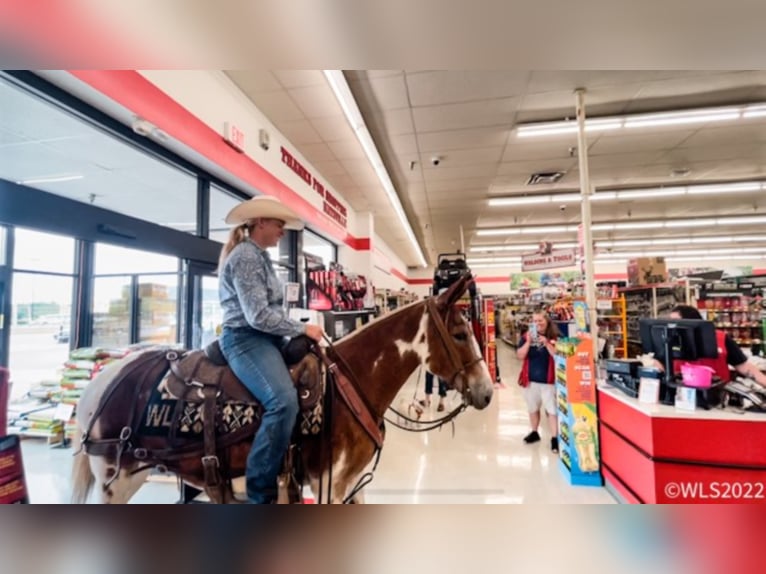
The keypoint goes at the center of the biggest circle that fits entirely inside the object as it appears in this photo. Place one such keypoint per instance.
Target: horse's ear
(455, 291)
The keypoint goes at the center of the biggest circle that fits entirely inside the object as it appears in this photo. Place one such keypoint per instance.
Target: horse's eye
(462, 337)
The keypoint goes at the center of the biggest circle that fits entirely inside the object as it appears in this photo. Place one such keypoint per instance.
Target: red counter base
(681, 459)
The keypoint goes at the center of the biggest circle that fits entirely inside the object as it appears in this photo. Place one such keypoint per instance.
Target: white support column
(585, 191)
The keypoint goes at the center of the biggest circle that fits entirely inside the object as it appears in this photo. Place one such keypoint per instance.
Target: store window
(135, 297)
(221, 202)
(320, 247)
(41, 308)
(47, 148)
(158, 309)
(115, 260)
(212, 314)
(112, 311)
(3, 245)
(37, 251)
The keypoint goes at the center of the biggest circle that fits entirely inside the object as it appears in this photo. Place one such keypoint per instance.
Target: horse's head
(453, 352)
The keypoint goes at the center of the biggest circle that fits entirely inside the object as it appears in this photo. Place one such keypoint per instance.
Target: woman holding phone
(538, 375)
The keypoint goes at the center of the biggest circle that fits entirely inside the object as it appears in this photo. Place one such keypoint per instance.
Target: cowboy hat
(264, 206)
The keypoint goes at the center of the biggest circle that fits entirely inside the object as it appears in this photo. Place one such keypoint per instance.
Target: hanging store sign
(556, 259)
(331, 206)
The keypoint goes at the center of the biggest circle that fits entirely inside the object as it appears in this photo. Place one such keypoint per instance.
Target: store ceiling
(467, 119)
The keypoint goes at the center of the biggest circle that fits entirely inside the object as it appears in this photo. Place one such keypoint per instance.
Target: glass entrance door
(204, 308)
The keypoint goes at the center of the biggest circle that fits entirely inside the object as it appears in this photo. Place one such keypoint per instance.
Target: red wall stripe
(139, 95)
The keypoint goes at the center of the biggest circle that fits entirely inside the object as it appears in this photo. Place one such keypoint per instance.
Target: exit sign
(233, 136)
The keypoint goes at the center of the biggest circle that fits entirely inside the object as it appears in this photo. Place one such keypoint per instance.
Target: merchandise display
(48, 410)
(577, 412)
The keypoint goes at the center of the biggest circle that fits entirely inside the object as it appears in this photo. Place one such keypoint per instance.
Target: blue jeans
(255, 359)
(430, 385)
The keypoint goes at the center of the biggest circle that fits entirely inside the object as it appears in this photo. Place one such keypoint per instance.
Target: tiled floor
(485, 462)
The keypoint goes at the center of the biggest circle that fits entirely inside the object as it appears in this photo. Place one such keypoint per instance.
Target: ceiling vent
(544, 177)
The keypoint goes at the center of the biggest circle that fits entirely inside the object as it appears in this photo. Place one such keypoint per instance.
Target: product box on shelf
(489, 337)
(577, 412)
(13, 486)
(647, 271)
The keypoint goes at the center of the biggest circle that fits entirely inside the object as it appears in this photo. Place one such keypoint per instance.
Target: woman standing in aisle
(538, 375)
(254, 325)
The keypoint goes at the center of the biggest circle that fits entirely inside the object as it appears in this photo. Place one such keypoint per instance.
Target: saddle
(192, 372)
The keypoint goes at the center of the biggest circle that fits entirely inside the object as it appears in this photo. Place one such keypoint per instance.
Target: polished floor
(484, 462)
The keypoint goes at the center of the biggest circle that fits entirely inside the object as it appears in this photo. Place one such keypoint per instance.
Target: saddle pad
(172, 418)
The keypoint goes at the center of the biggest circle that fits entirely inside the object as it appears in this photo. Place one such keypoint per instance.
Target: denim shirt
(251, 293)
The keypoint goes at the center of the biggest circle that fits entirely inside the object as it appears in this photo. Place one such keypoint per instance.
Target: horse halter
(449, 345)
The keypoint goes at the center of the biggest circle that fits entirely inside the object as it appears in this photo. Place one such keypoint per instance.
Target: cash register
(670, 340)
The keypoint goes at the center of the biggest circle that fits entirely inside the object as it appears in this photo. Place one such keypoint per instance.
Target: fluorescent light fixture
(491, 232)
(567, 127)
(354, 117)
(529, 247)
(678, 119)
(550, 229)
(644, 193)
(50, 179)
(603, 196)
(632, 194)
(636, 121)
(628, 225)
(491, 248)
(515, 266)
(493, 260)
(670, 224)
(682, 252)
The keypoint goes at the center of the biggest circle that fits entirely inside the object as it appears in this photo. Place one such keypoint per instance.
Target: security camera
(436, 160)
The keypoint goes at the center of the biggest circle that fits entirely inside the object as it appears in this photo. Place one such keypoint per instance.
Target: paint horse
(369, 367)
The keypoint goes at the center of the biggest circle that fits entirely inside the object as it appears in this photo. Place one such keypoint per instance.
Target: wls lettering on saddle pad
(167, 416)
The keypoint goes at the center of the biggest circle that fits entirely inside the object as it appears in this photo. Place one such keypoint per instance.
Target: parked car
(62, 336)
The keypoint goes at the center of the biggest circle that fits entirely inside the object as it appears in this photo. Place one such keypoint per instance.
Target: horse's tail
(82, 477)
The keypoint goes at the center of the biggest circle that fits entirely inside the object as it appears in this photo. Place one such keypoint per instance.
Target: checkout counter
(648, 450)
(657, 451)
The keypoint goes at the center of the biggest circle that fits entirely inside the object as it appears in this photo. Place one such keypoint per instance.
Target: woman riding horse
(254, 324)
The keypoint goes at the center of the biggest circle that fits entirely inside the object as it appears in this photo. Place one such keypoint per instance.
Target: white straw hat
(264, 206)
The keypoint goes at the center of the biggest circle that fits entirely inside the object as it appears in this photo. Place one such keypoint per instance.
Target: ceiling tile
(277, 106)
(329, 168)
(317, 152)
(460, 158)
(300, 78)
(462, 139)
(333, 129)
(252, 81)
(468, 115)
(535, 166)
(454, 86)
(300, 132)
(728, 135)
(382, 94)
(486, 171)
(518, 151)
(403, 144)
(393, 122)
(317, 102)
(456, 184)
(705, 89)
(347, 149)
(638, 142)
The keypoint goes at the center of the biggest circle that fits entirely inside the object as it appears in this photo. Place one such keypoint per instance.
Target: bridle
(458, 367)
